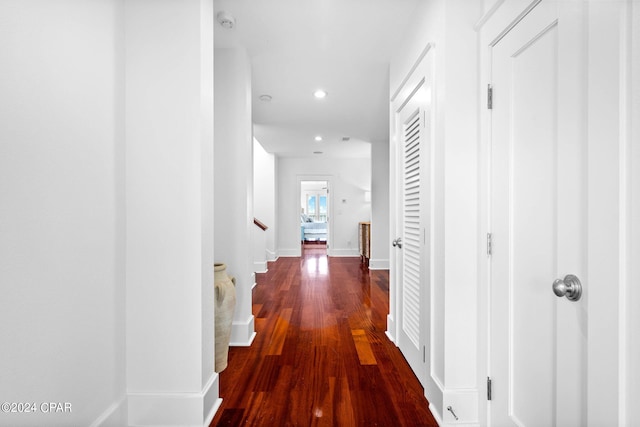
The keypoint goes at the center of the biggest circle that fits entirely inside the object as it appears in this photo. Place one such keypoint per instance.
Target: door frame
(328, 179)
(422, 69)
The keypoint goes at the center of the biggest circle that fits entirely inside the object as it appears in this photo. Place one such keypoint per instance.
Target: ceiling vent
(346, 138)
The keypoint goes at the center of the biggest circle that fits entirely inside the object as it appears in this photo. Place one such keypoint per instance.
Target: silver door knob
(397, 242)
(569, 287)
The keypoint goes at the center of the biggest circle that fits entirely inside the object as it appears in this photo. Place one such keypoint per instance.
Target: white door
(413, 226)
(538, 185)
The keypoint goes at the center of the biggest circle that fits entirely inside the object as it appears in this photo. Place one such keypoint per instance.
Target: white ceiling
(298, 46)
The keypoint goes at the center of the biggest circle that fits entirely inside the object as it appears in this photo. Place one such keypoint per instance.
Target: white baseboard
(175, 409)
(212, 400)
(288, 253)
(464, 402)
(345, 252)
(391, 328)
(378, 264)
(260, 266)
(242, 332)
(114, 416)
(436, 414)
(271, 256)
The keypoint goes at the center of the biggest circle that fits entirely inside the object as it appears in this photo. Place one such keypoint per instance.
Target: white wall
(349, 179)
(234, 182)
(169, 186)
(62, 210)
(264, 203)
(448, 25)
(380, 235)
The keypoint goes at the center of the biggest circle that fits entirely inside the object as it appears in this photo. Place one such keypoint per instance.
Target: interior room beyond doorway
(314, 214)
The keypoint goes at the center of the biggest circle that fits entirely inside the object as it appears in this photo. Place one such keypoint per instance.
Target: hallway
(321, 356)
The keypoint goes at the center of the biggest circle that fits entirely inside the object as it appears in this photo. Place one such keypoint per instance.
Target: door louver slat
(411, 226)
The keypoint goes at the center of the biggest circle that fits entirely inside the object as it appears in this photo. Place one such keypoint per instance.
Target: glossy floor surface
(320, 356)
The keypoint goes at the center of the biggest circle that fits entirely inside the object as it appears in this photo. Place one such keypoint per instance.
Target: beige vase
(225, 294)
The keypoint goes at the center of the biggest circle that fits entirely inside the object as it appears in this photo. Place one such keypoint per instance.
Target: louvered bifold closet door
(411, 227)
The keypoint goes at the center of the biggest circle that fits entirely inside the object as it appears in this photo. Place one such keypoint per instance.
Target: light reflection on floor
(317, 266)
(315, 259)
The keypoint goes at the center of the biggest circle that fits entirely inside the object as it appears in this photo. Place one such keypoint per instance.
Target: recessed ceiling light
(320, 93)
(265, 98)
(317, 152)
(318, 138)
(225, 20)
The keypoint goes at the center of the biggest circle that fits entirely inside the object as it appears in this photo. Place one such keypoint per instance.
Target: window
(316, 208)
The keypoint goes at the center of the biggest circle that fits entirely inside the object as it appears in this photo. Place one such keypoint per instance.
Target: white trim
(624, 209)
(436, 414)
(260, 266)
(175, 409)
(290, 253)
(409, 74)
(271, 256)
(378, 264)
(211, 398)
(391, 328)
(487, 15)
(345, 253)
(114, 415)
(502, 18)
(242, 333)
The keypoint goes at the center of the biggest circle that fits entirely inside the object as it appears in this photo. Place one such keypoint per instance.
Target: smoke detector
(227, 21)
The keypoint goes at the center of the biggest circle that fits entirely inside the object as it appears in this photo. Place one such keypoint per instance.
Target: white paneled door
(412, 260)
(538, 220)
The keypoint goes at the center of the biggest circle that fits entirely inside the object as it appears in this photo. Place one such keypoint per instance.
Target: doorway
(412, 187)
(314, 215)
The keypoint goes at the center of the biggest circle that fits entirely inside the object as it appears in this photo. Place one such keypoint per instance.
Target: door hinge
(424, 354)
(489, 244)
(488, 388)
(490, 97)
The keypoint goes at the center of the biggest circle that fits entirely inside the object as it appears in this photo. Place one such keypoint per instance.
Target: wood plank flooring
(321, 356)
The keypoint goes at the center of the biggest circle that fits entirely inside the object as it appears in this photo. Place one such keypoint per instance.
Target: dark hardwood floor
(321, 356)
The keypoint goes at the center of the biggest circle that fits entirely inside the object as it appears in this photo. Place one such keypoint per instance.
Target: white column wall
(234, 182)
(169, 182)
(264, 202)
(448, 25)
(62, 202)
(461, 193)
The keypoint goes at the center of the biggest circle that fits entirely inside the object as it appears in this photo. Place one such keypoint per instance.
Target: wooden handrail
(260, 224)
